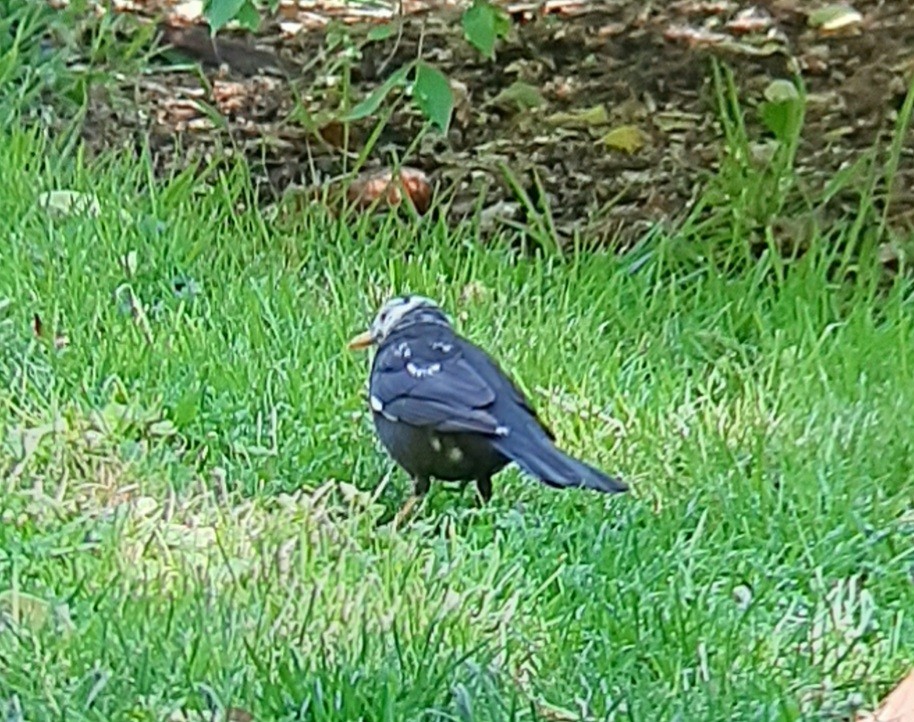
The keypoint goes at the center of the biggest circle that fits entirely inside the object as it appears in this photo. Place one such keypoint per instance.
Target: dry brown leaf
(897, 707)
(381, 187)
(230, 96)
(750, 20)
(694, 37)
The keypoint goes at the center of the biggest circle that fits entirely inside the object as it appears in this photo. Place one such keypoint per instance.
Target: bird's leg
(483, 489)
(420, 489)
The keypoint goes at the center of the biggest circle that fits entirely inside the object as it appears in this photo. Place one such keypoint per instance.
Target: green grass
(763, 421)
(193, 501)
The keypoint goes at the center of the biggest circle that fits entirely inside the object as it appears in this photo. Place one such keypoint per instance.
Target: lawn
(194, 505)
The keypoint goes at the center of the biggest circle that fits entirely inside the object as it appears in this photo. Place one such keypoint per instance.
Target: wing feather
(429, 383)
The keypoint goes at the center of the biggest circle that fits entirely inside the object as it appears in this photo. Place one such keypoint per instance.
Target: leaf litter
(604, 113)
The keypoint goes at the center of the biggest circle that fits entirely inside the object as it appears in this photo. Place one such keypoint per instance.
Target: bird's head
(396, 314)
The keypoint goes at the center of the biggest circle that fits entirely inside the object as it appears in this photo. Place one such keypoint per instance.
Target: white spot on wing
(455, 454)
(378, 407)
(422, 371)
(442, 346)
(436, 443)
(403, 350)
(501, 431)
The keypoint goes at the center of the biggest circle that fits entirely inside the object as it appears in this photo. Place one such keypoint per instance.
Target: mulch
(275, 98)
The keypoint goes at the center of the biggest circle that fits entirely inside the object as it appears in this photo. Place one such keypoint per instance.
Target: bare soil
(275, 98)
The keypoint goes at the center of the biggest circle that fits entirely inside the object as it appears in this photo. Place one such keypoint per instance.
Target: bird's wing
(492, 373)
(426, 380)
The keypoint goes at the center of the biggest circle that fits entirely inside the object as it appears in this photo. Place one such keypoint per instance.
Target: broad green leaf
(248, 17)
(778, 117)
(371, 104)
(781, 112)
(483, 24)
(219, 13)
(381, 32)
(432, 94)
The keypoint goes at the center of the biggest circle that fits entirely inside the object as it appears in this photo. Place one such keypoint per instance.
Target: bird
(443, 408)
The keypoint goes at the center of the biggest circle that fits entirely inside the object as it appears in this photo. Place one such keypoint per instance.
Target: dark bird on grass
(443, 408)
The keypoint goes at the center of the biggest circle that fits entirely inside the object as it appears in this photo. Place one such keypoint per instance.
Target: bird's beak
(360, 342)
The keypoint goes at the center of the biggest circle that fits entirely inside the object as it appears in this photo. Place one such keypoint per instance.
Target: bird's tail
(539, 457)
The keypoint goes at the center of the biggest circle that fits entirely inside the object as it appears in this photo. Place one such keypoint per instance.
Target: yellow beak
(360, 342)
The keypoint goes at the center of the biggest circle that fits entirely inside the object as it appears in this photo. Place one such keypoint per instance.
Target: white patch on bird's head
(403, 311)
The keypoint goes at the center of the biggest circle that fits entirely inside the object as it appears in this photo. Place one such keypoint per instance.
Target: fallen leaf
(580, 118)
(60, 204)
(832, 18)
(333, 133)
(751, 20)
(188, 12)
(32, 612)
(627, 138)
(230, 96)
(519, 95)
(897, 707)
(694, 37)
(381, 187)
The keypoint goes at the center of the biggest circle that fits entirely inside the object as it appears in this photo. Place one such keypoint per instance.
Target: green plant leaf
(370, 104)
(483, 24)
(780, 91)
(248, 17)
(782, 110)
(219, 13)
(382, 32)
(433, 96)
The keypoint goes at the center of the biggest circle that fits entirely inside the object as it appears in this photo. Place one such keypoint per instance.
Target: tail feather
(539, 457)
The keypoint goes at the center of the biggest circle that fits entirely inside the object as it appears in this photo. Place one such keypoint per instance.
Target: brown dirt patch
(273, 99)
